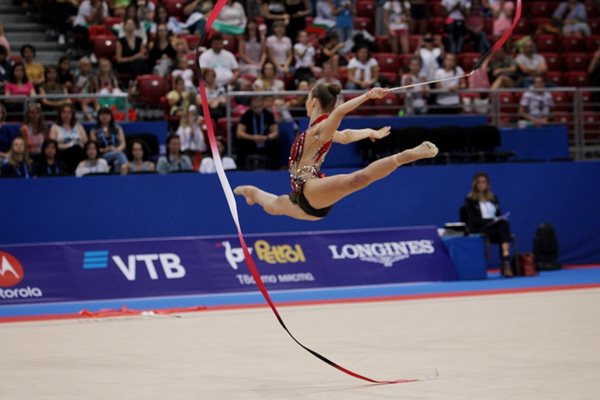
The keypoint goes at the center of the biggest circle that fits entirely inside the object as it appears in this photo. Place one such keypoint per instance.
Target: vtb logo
(11, 270)
(170, 263)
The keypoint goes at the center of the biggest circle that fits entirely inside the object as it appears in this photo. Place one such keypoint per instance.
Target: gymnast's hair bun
(334, 89)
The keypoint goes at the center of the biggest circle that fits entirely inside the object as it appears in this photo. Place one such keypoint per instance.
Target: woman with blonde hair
(483, 216)
(17, 164)
(34, 129)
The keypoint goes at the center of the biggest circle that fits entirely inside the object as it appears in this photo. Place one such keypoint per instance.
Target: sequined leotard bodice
(305, 163)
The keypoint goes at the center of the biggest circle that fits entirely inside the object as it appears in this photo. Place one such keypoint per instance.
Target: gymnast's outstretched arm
(354, 135)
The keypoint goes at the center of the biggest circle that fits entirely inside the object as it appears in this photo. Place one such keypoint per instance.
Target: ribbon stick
(233, 207)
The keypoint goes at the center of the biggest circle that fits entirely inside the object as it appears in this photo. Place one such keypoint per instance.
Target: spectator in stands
(483, 211)
(179, 99)
(34, 130)
(194, 12)
(252, 49)
(418, 13)
(536, 104)
(105, 82)
(232, 19)
(33, 69)
(19, 86)
(295, 105)
(161, 17)
(430, 51)
(92, 164)
(4, 134)
(594, 72)
(456, 11)
(328, 77)
(162, 53)
(503, 12)
(363, 70)
(268, 82)
(449, 100)
(222, 61)
(49, 165)
(17, 164)
(65, 75)
(344, 11)
(502, 69)
(325, 14)
(118, 7)
(279, 48)
(90, 12)
(133, 12)
(333, 51)
(3, 40)
(182, 70)
(298, 10)
(70, 136)
(5, 68)
(174, 160)
(61, 17)
(273, 11)
(139, 159)
(257, 134)
(51, 86)
(190, 133)
(304, 54)
(131, 52)
(145, 12)
(478, 102)
(475, 25)
(215, 95)
(110, 139)
(571, 16)
(396, 19)
(417, 104)
(84, 84)
(207, 166)
(529, 64)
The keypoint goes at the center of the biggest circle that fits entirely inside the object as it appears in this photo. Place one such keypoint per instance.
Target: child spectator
(215, 95)
(396, 18)
(279, 48)
(179, 99)
(185, 73)
(17, 164)
(139, 159)
(363, 70)
(174, 161)
(105, 82)
(190, 133)
(110, 139)
(417, 103)
(91, 164)
(49, 165)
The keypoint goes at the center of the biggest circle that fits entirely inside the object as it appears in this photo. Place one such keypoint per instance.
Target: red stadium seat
(542, 8)
(563, 101)
(365, 109)
(404, 58)
(222, 127)
(390, 77)
(388, 62)
(576, 61)
(508, 106)
(389, 105)
(230, 43)
(105, 46)
(594, 24)
(573, 43)
(174, 7)
(151, 89)
(360, 23)
(383, 44)
(593, 43)
(554, 61)
(565, 118)
(556, 77)
(110, 21)
(578, 78)
(192, 40)
(414, 41)
(523, 27)
(592, 10)
(468, 60)
(591, 127)
(436, 25)
(366, 9)
(172, 120)
(437, 9)
(546, 43)
(540, 21)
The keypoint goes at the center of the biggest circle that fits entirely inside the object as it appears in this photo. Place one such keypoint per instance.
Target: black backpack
(545, 248)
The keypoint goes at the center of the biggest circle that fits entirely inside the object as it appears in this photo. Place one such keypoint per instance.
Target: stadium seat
(573, 44)
(390, 77)
(539, 21)
(542, 9)
(174, 7)
(436, 25)
(105, 46)
(437, 8)
(468, 60)
(110, 21)
(592, 10)
(594, 24)
(546, 43)
(404, 61)
(578, 78)
(383, 43)
(230, 43)
(523, 27)
(389, 105)
(593, 43)
(222, 127)
(566, 118)
(556, 77)
(388, 62)
(172, 120)
(576, 61)
(554, 61)
(151, 89)
(366, 9)
(192, 40)
(414, 41)
(360, 23)
(563, 101)
(591, 128)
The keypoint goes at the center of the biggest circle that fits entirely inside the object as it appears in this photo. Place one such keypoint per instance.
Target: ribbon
(233, 206)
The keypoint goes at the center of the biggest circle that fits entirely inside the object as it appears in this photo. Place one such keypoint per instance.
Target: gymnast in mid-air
(314, 194)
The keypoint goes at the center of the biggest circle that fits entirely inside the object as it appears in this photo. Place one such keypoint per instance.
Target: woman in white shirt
(92, 164)
(232, 19)
(363, 70)
(70, 136)
(482, 212)
(279, 48)
(449, 101)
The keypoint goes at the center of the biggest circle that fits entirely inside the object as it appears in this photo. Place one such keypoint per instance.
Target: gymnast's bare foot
(426, 150)
(248, 192)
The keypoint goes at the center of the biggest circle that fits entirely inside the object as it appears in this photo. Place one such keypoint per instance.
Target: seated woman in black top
(49, 165)
(17, 163)
(131, 51)
(482, 209)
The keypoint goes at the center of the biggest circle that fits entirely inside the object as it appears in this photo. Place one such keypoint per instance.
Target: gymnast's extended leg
(325, 192)
(272, 204)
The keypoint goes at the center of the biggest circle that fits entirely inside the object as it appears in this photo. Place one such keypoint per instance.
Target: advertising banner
(180, 266)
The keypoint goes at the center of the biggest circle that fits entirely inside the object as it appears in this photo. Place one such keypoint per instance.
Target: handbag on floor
(524, 265)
